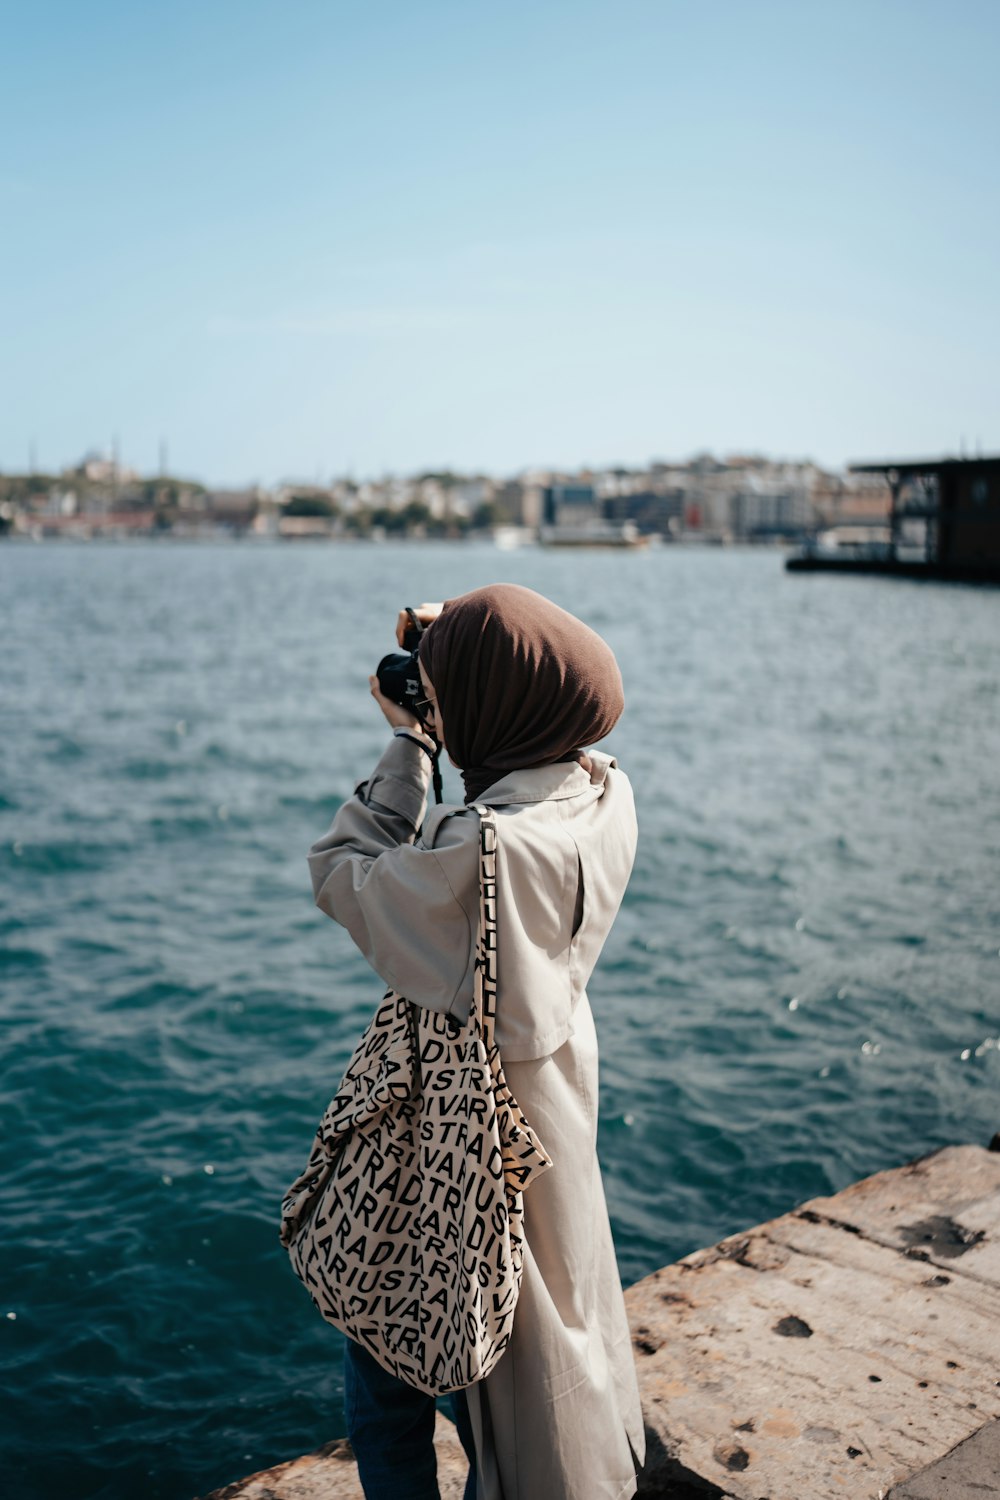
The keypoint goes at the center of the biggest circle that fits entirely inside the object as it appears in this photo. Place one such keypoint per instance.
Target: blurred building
(570, 505)
(851, 499)
(233, 509)
(507, 498)
(771, 505)
(652, 511)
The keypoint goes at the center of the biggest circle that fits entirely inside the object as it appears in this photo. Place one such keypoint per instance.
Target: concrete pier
(849, 1349)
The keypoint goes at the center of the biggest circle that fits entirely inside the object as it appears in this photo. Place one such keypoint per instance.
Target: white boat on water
(509, 538)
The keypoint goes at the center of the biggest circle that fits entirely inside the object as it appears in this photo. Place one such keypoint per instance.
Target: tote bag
(406, 1225)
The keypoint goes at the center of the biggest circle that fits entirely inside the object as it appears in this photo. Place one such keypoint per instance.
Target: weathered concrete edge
(864, 1213)
(973, 1464)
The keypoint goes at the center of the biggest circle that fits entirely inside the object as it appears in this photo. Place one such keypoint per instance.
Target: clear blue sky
(321, 237)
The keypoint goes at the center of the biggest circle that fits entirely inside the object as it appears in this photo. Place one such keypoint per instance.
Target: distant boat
(508, 538)
(943, 523)
(597, 535)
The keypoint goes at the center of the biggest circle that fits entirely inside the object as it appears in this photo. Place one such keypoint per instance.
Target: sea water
(802, 986)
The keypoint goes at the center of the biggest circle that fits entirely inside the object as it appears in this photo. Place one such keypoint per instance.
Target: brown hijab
(520, 682)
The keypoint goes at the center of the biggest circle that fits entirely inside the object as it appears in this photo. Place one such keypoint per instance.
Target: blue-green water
(802, 986)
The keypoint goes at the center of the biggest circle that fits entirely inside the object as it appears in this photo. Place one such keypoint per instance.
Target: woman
(516, 688)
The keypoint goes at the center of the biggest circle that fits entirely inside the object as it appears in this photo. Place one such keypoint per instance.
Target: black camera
(398, 673)
(399, 680)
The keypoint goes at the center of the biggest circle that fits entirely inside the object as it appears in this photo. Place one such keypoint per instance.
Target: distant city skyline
(96, 459)
(301, 243)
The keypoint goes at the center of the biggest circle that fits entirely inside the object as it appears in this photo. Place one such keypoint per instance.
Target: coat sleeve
(406, 906)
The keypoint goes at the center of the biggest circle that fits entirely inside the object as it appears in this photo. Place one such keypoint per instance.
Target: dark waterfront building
(944, 523)
(652, 511)
(568, 504)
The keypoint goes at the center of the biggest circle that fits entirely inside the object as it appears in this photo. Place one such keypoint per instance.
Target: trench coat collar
(548, 783)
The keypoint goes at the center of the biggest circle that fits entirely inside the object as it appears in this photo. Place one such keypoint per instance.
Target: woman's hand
(398, 717)
(425, 613)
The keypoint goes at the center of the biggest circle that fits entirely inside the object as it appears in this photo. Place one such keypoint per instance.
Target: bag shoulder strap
(485, 986)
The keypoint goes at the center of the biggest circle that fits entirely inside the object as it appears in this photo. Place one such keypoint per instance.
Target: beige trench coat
(559, 1418)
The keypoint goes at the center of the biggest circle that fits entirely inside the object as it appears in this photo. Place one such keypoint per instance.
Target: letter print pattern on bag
(406, 1226)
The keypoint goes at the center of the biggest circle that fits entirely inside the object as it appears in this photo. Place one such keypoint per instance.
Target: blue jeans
(391, 1429)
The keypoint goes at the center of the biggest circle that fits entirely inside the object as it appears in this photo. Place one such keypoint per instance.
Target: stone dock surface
(849, 1349)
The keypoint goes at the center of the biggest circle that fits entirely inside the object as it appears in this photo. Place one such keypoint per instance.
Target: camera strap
(415, 624)
(435, 759)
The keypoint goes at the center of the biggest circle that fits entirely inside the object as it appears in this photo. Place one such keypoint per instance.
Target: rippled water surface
(802, 986)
